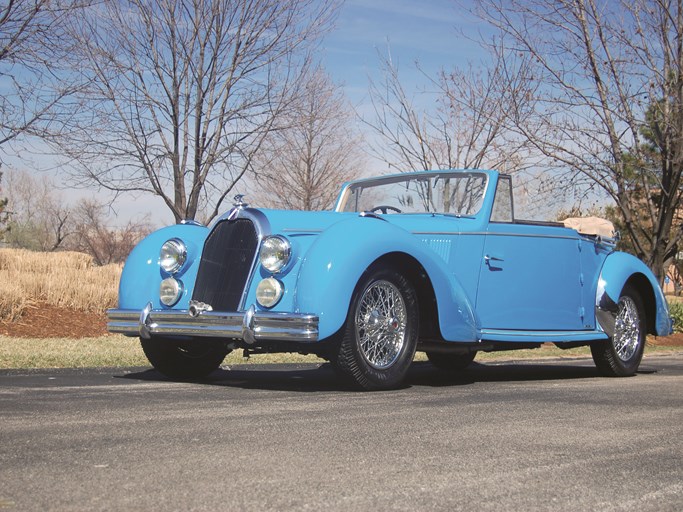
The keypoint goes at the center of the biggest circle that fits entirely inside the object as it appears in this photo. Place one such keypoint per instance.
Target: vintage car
(432, 261)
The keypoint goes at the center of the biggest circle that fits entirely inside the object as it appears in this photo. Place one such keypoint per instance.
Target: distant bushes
(676, 311)
(66, 279)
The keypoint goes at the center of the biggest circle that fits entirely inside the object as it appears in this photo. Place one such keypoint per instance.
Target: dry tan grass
(12, 299)
(66, 279)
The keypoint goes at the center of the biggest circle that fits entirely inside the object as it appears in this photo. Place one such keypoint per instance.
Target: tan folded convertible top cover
(591, 226)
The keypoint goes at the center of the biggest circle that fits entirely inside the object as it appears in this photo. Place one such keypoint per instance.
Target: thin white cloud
(417, 29)
(439, 11)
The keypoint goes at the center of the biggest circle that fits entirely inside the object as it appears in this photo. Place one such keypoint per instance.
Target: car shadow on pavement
(321, 377)
(424, 374)
(283, 377)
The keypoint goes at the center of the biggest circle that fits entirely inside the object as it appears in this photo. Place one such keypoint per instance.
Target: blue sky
(428, 31)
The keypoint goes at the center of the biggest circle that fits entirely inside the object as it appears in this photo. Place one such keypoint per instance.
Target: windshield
(459, 193)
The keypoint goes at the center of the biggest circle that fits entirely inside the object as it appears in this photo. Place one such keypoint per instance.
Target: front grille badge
(197, 308)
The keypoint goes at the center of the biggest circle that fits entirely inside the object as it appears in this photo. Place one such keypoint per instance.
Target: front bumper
(250, 326)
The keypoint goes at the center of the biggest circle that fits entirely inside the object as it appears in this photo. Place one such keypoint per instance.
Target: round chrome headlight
(269, 292)
(275, 253)
(173, 255)
(170, 291)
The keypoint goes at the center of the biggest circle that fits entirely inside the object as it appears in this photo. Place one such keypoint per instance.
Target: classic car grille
(226, 262)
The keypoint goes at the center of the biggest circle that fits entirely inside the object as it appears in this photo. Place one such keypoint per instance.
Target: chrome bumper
(250, 326)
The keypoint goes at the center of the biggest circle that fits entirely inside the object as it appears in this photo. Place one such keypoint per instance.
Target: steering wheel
(384, 208)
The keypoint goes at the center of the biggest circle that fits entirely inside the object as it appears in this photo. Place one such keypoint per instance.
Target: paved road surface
(506, 436)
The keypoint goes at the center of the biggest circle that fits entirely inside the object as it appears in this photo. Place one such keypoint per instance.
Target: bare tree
(461, 123)
(313, 150)
(39, 219)
(3, 214)
(32, 45)
(183, 91)
(104, 243)
(609, 90)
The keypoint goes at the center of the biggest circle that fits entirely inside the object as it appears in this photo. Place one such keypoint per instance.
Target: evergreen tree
(644, 174)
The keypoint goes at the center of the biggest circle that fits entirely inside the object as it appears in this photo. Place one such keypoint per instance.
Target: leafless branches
(32, 47)
(41, 220)
(460, 123)
(609, 102)
(313, 150)
(182, 92)
(3, 214)
(92, 234)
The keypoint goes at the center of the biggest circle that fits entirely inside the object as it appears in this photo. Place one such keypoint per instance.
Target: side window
(502, 203)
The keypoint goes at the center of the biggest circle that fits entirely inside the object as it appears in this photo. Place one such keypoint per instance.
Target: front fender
(142, 274)
(336, 261)
(618, 269)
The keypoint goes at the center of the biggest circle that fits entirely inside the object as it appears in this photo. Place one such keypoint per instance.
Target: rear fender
(618, 270)
(336, 261)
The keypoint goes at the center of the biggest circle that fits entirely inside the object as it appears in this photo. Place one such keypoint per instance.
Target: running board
(514, 336)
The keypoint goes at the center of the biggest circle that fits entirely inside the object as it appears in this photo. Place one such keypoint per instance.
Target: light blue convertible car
(432, 261)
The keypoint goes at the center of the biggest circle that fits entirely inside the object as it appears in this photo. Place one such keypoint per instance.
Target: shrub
(676, 311)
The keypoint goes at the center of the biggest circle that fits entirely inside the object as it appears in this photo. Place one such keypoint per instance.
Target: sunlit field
(65, 279)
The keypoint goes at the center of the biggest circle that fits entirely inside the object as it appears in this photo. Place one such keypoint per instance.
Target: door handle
(493, 262)
(488, 259)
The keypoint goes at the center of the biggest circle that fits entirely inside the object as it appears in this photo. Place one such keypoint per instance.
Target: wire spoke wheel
(620, 355)
(379, 338)
(381, 321)
(627, 326)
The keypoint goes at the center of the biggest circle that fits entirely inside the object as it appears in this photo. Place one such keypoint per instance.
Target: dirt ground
(45, 321)
(675, 340)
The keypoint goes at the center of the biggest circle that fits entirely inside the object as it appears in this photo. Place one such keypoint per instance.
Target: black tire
(184, 360)
(451, 362)
(379, 338)
(620, 356)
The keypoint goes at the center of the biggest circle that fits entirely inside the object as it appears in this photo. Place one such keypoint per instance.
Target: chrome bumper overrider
(250, 326)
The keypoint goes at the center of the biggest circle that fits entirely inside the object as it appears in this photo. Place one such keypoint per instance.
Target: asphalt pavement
(518, 435)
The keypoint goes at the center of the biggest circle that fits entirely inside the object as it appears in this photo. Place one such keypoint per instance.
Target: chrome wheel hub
(627, 336)
(381, 321)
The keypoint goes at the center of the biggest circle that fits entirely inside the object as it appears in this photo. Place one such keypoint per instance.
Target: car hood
(294, 221)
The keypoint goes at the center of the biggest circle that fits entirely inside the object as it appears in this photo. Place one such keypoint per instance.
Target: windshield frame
(348, 188)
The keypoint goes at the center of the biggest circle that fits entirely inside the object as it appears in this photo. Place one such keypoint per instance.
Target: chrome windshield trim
(395, 178)
(250, 327)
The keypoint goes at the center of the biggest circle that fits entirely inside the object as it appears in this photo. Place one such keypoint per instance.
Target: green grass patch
(105, 351)
(70, 353)
(115, 350)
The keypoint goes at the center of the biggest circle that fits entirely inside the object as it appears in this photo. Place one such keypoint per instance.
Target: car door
(530, 279)
(530, 273)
